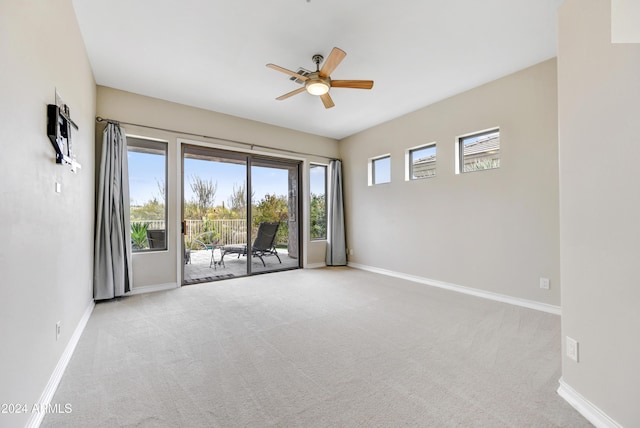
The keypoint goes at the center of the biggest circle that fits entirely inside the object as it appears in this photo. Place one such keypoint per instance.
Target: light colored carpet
(314, 348)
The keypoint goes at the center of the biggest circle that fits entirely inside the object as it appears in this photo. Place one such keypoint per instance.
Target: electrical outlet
(58, 187)
(351, 251)
(572, 348)
(544, 283)
(58, 330)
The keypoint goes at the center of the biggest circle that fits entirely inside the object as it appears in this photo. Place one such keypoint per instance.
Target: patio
(198, 270)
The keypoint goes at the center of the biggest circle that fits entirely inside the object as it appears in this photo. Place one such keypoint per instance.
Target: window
(318, 201)
(380, 170)
(478, 151)
(420, 162)
(147, 161)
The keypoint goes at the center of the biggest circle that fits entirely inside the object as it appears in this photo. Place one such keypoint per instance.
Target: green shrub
(139, 236)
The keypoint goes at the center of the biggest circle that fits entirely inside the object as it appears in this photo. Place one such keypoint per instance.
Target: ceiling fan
(319, 82)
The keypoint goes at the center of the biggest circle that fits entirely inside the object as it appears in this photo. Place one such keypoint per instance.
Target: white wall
(163, 267)
(493, 230)
(46, 238)
(599, 140)
(625, 15)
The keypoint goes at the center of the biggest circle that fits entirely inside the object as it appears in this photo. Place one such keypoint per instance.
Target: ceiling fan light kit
(317, 86)
(319, 82)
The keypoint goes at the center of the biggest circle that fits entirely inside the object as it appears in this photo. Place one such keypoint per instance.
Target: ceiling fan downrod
(317, 59)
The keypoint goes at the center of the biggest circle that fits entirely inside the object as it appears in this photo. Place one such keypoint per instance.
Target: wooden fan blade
(335, 58)
(289, 72)
(326, 100)
(290, 94)
(356, 84)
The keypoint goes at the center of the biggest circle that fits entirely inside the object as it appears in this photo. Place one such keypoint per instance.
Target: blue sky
(145, 170)
(382, 170)
(469, 140)
(265, 180)
(317, 180)
(424, 152)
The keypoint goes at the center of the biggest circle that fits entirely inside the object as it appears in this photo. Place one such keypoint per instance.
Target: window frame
(372, 169)
(149, 145)
(326, 188)
(408, 164)
(460, 149)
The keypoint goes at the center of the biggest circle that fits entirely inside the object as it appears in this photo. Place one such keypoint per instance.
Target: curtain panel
(336, 238)
(112, 258)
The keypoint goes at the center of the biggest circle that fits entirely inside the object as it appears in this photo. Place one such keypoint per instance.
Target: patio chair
(187, 251)
(209, 241)
(263, 245)
(217, 257)
(156, 238)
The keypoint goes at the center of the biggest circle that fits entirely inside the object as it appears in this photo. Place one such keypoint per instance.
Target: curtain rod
(250, 145)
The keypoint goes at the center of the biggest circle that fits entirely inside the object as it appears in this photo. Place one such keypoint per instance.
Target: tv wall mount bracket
(59, 132)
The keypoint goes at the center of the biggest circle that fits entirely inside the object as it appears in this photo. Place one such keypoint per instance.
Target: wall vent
(302, 72)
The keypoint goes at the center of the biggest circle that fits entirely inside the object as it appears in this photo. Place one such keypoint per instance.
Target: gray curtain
(336, 239)
(112, 259)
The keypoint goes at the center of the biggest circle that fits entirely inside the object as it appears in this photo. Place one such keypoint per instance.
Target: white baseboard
(531, 304)
(315, 265)
(56, 376)
(152, 288)
(587, 409)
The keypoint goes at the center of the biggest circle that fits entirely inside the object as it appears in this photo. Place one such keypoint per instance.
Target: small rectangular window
(317, 201)
(147, 161)
(380, 170)
(421, 162)
(479, 151)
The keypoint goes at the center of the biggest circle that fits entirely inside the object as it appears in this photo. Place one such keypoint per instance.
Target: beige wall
(46, 238)
(164, 267)
(493, 230)
(599, 140)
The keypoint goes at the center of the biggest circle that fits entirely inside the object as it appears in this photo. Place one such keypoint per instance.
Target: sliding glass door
(240, 214)
(214, 212)
(274, 215)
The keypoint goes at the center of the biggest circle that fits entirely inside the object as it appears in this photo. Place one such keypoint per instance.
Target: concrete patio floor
(198, 270)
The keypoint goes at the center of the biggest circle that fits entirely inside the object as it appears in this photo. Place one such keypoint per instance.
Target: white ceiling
(212, 53)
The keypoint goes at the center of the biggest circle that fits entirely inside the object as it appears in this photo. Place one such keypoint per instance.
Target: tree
(274, 208)
(271, 208)
(318, 215)
(204, 193)
(151, 210)
(161, 188)
(191, 211)
(238, 199)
